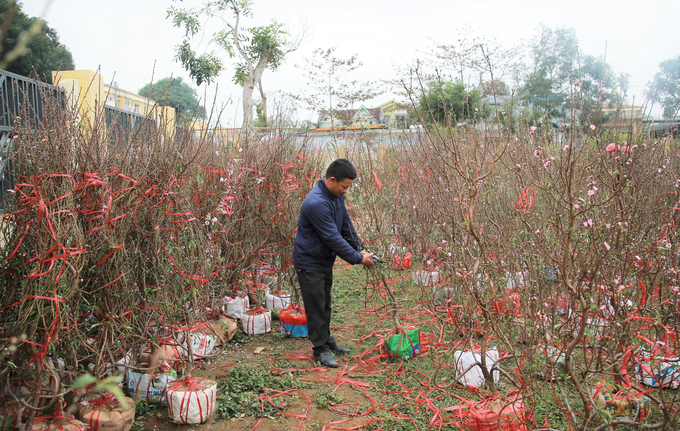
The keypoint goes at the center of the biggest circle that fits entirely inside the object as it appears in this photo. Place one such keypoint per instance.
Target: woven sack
(257, 321)
(467, 366)
(58, 422)
(658, 372)
(191, 400)
(150, 386)
(277, 300)
(107, 413)
(236, 306)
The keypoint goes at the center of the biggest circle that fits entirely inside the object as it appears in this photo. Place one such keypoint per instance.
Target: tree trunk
(263, 104)
(247, 126)
(254, 76)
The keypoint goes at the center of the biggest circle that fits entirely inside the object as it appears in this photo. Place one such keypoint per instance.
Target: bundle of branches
(115, 239)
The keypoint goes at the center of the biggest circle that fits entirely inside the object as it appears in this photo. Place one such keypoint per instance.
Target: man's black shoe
(340, 350)
(325, 359)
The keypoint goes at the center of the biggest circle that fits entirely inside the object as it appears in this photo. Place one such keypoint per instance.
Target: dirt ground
(275, 346)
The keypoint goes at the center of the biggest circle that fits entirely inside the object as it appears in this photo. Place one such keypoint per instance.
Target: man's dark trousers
(316, 295)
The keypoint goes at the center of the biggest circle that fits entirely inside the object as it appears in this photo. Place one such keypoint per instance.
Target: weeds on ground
(241, 391)
(327, 398)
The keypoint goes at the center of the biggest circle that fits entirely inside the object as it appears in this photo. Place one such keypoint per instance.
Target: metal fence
(122, 125)
(20, 98)
(24, 98)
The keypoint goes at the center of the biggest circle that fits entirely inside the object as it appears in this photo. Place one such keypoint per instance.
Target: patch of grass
(540, 395)
(545, 407)
(326, 398)
(271, 409)
(146, 408)
(143, 410)
(241, 389)
(403, 424)
(240, 337)
(347, 294)
(346, 283)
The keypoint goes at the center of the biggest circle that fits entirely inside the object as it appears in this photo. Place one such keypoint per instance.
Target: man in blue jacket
(324, 232)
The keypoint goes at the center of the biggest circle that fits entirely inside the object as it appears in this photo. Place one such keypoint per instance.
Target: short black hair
(341, 169)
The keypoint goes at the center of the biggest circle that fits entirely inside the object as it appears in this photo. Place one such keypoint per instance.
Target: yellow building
(396, 113)
(626, 119)
(87, 91)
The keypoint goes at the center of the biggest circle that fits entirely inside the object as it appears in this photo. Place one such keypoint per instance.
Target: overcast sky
(131, 41)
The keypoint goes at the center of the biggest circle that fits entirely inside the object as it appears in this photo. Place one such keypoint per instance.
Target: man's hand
(367, 261)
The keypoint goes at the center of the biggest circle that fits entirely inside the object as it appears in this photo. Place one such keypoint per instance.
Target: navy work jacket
(324, 232)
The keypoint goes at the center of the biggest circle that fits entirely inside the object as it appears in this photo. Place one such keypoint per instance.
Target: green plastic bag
(405, 344)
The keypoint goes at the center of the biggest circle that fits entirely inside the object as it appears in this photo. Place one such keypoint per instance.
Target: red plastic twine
(526, 200)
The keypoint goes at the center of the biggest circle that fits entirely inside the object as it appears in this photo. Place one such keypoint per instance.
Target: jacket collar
(322, 186)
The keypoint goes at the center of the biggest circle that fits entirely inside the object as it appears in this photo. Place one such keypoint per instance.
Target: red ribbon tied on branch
(526, 200)
(377, 181)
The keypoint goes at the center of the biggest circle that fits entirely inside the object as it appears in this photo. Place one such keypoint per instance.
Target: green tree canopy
(598, 87)
(255, 49)
(666, 87)
(444, 101)
(35, 43)
(547, 86)
(177, 94)
(563, 81)
(487, 88)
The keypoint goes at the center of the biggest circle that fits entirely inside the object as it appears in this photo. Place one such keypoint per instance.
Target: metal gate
(20, 97)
